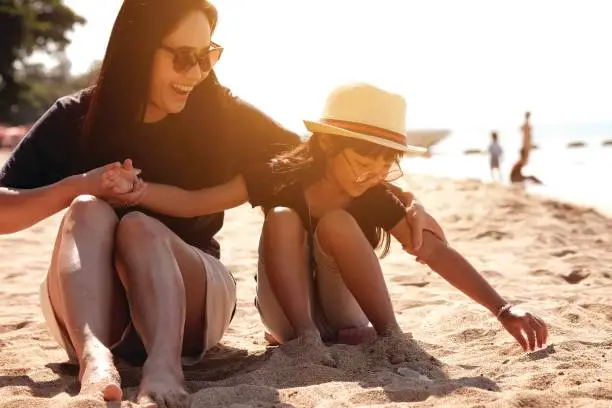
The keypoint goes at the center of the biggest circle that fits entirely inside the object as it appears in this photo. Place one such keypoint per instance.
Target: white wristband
(503, 309)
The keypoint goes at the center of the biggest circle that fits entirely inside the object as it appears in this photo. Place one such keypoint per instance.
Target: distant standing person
(495, 154)
(526, 130)
(516, 175)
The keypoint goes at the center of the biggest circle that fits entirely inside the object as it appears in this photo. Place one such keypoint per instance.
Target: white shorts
(220, 307)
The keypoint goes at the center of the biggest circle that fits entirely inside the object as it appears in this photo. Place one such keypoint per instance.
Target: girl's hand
(127, 188)
(133, 197)
(528, 329)
(117, 180)
(117, 183)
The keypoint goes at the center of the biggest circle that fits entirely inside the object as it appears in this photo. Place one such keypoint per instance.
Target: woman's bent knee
(137, 228)
(138, 237)
(90, 212)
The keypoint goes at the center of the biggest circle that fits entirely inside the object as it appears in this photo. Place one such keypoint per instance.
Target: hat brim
(318, 127)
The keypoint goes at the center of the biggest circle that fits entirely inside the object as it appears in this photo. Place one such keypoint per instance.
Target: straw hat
(365, 112)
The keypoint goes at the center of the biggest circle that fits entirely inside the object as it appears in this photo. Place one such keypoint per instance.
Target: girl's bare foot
(309, 347)
(396, 346)
(271, 339)
(356, 335)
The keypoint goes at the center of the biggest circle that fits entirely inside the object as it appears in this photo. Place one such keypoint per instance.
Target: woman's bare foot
(162, 386)
(309, 347)
(356, 335)
(99, 376)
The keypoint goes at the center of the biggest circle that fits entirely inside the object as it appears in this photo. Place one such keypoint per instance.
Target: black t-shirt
(174, 151)
(377, 207)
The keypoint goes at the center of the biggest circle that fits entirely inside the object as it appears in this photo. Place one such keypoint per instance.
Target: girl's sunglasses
(185, 58)
(392, 174)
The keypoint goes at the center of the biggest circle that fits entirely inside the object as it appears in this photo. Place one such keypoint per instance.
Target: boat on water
(426, 138)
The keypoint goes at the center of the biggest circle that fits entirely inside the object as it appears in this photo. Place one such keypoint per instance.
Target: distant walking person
(495, 154)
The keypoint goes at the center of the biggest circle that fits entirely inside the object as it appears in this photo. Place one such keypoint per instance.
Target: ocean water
(580, 175)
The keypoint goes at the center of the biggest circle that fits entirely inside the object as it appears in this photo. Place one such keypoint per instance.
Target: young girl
(328, 207)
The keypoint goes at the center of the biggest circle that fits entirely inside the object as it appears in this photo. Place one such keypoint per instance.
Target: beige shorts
(220, 308)
(333, 306)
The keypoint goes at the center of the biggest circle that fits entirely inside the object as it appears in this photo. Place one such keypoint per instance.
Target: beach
(569, 174)
(545, 255)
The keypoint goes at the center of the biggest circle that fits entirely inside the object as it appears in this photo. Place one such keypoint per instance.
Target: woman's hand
(419, 220)
(529, 330)
(116, 183)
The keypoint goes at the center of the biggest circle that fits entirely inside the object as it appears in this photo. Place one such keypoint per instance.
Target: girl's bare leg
(341, 238)
(86, 294)
(289, 277)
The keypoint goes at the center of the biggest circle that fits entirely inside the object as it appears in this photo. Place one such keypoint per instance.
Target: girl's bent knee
(337, 228)
(283, 225)
(281, 217)
(282, 214)
(336, 221)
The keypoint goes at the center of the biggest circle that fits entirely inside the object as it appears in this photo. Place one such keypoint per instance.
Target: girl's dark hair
(307, 162)
(119, 96)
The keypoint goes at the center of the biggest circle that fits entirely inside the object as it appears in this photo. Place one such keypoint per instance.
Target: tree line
(27, 89)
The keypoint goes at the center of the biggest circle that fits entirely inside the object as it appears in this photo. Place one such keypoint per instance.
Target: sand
(550, 257)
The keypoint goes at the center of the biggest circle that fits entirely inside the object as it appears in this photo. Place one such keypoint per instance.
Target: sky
(458, 63)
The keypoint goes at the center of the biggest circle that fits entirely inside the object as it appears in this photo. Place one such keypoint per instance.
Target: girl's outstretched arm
(177, 202)
(454, 268)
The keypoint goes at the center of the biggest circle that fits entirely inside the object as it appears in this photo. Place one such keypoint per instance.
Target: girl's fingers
(531, 334)
(518, 335)
(127, 164)
(540, 331)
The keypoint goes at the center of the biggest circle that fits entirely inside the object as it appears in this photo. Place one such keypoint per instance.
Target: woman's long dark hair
(120, 94)
(307, 164)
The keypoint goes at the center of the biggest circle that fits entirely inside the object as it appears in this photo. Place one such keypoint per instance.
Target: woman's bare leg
(86, 294)
(165, 283)
(289, 276)
(341, 238)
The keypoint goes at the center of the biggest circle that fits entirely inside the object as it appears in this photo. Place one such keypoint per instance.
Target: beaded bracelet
(503, 309)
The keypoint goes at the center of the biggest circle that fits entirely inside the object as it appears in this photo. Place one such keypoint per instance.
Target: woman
(117, 271)
(327, 209)
(516, 174)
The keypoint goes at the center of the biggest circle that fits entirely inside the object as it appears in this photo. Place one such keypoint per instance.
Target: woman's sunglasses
(185, 58)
